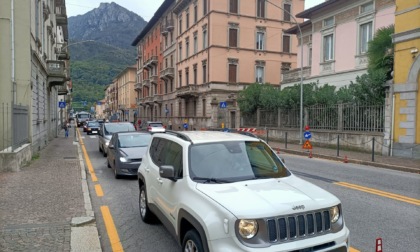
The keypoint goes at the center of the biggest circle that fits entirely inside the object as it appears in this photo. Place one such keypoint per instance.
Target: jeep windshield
(225, 162)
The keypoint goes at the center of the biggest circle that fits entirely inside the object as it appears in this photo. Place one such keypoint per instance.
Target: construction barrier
(378, 245)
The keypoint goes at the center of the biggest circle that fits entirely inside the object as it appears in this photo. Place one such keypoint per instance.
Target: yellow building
(406, 94)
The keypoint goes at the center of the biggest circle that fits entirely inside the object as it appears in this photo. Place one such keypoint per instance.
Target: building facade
(405, 92)
(126, 95)
(213, 50)
(34, 75)
(335, 40)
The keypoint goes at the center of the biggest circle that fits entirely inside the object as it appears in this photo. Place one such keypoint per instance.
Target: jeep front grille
(305, 225)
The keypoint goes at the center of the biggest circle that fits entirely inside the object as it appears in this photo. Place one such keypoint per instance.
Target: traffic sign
(307, 128)
(223, 104)
(307, 145)
(307, 135)
(61, 104)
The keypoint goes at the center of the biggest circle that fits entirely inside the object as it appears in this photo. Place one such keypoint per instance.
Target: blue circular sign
(307, 135)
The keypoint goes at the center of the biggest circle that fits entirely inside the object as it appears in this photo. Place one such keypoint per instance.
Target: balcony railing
(62, 52)
(148, 100)
(187, 91)
(163, 30)
(61, 15)
(169, 25)
(153, 60)
(137, 86)
(154, 79)
(56, 72)
(294, 75)
(167, 73)
(158, 98)
(62, 90)
(146, 83)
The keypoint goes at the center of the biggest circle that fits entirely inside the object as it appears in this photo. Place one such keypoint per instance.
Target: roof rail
(179, 134)
(246, 133)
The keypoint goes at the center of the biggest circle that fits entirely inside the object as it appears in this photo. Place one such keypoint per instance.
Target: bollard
(266, 138)
(310, 154)
(373, 149)
(75, 135)
(338, 145)
(285, 141)
(345, 159)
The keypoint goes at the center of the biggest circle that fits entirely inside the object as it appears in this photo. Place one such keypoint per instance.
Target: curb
(84, 232)
(356, 161)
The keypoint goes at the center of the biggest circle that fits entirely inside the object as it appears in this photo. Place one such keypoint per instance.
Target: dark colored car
(125, 152)
(92, 127)
(107, 129)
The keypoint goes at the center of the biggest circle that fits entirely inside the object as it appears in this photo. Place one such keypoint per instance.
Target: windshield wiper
(212, 180)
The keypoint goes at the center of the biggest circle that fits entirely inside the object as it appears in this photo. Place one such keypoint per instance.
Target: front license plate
(94, 131)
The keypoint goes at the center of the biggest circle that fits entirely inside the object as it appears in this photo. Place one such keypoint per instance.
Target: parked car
(125, 152)
(92, 127)
(153, 127)
(222, 191)
(106, 131)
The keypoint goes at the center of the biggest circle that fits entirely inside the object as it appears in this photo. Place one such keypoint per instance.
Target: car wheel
(145, 214)
(115, 172)
(192, 242)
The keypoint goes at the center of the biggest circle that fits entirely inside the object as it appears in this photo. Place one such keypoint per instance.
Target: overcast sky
(144, 8)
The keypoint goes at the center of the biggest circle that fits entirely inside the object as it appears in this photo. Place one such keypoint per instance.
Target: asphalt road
(376, 202)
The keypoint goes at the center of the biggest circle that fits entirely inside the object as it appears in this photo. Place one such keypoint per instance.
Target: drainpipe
(392, 122)
(12, 27)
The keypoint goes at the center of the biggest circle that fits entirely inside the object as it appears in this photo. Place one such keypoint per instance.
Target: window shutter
(287, 12)
(234, 6)
(232, 73)
(233, 37)
(286, 44)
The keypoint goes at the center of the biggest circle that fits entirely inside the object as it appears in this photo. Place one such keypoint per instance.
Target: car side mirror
(110, 146)
(168, 172)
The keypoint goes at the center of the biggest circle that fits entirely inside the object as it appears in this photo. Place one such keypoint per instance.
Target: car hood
(268, 197)
(135, 152)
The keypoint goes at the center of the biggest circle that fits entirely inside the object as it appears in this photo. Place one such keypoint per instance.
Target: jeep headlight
(334, 214)
(247, 228)
(124, 159)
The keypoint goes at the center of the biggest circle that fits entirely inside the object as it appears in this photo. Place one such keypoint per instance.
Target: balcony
(56, 72)
(169, 25)
(167, 73)
(294, 75)
(187, 91)
(154, 79)
(137, 86)
(153, 60)
(158, 98)
(146, 83)
(61, 15)
(163, 30)
(145, 64)
(148, 100)
(62, 52)
(62, 90)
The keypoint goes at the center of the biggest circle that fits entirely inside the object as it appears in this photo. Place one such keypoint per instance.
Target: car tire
(192, 242)
(145, 214)
(115, 172)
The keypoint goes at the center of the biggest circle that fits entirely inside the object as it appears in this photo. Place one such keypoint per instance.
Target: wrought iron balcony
(56, 72)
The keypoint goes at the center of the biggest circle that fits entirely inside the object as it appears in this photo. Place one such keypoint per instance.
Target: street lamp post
(301, 71)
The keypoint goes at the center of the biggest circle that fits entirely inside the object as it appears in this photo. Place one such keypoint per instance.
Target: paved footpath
(46, 206)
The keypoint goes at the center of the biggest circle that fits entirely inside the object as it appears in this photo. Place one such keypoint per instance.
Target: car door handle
(159, 180)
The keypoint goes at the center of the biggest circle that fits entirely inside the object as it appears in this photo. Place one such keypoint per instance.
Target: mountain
(109, 23)
(95, 63)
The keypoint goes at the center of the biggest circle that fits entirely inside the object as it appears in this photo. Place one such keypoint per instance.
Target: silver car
(125, 152)
(153, 127)
(106, 131)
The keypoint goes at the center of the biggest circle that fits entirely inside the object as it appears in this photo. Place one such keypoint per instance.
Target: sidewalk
(364, 158)
(46, 206)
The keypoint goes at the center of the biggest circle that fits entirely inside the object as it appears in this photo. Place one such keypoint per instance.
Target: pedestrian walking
(66, 129)
(170, 124)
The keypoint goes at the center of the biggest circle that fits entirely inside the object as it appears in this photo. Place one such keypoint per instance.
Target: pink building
(335, 40)
(218, 48)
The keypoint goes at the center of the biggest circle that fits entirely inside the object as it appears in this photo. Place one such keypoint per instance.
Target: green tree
(249, 98)
(380, 53)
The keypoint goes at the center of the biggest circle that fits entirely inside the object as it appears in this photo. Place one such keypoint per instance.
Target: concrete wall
(13, 161)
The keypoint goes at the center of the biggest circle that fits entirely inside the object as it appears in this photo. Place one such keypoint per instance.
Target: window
(260, 41)
(172, 155)
(328, 47)
(329, 22)
(232, 73)
(286, 43)
(180, 78)
(195, 73)
(204, 7)
(261, 8)
(259, 74)
(204, 107)
(180, 51)
(180, 24)
(195, 13)
(368, 7)
(310, 57)
(286, 12)
(187, 47)
(204, 72)
(233, 6)
(195, 43)
(204, 37)
(187, 76)
(365, 37)
(187, 19)
(233, 37)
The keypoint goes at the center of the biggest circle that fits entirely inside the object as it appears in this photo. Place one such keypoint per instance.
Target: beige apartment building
(221, 47)
(124, 83)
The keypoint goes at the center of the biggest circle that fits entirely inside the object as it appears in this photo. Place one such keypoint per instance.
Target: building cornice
(406, 36)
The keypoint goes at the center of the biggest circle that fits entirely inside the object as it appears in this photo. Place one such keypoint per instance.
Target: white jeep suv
(219, 191)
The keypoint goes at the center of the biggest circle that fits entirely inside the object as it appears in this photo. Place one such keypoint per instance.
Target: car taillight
(164, 126)
(149, 128)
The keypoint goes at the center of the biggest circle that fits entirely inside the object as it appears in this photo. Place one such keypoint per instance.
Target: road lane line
(380, 193)
(87, 159)
(353, 250)
(111, 230)
(99, 191)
